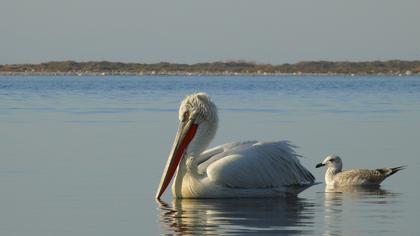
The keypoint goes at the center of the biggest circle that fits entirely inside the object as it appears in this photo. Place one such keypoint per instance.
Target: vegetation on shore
(392, 67)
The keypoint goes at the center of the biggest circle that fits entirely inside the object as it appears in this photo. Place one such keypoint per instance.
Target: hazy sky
(190, 31)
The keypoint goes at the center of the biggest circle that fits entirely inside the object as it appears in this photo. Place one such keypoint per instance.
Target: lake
(84, 155)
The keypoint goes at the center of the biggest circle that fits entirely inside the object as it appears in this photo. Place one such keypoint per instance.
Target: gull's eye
(332, 160)
(186, 116)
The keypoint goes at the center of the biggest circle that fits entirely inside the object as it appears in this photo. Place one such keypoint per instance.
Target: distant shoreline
(193, 74)
(229, 68)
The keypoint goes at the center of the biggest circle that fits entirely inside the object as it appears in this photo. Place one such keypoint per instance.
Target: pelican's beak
(185, 134)
(319, 165)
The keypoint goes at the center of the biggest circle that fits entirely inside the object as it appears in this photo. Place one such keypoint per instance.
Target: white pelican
(240, 169)
(356, 177)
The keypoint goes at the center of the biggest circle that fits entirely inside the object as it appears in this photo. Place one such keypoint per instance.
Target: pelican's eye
(185, 116)
(332, 160)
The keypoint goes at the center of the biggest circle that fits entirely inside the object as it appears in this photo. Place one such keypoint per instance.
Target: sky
(191, 31)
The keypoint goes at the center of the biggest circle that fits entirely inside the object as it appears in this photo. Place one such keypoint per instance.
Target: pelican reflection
(236, 216)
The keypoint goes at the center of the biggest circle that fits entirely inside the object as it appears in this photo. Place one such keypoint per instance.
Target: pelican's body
(240, 169)
(336, 177)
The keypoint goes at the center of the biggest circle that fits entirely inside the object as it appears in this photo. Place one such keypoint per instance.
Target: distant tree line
(228, 67)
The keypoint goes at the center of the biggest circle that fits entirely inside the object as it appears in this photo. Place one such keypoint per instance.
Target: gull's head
(331, 161)
(197, 127)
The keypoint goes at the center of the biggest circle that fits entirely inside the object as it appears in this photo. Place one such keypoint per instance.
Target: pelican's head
(198, 123)
(331, 161)
(198, 109)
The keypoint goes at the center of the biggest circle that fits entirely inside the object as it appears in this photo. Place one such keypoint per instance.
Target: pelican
(334, 175)
(232, 170)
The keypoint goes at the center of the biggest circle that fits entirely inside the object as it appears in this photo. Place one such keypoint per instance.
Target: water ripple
(236, 216)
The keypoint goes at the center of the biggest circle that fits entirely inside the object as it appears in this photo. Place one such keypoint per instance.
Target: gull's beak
(185, 134)
(319, 165)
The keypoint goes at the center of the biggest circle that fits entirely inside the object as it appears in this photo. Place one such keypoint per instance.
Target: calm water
(84, 155)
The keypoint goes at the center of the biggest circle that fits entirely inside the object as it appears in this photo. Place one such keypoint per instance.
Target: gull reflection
(236, 216)
(339, 202)
(356, 190)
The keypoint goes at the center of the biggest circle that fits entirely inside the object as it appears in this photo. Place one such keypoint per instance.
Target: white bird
(239, 169)
(334, 175)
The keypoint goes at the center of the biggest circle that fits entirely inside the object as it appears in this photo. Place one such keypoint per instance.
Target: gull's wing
(254, 165)
(359, 177)
(364, 176)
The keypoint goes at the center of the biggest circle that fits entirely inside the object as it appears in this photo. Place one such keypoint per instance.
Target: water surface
(84, 155)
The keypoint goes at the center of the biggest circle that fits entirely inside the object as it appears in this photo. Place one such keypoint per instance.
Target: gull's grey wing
(364, 176)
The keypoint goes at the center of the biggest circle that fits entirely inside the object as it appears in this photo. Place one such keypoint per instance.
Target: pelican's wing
(213, 154)
(255, 165)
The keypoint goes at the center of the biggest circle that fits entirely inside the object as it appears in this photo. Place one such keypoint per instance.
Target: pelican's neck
(188, 166)
(205, 133)
(330, 173)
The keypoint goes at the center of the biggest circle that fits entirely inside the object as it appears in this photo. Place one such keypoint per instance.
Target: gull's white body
(240, 169)
(336, 177)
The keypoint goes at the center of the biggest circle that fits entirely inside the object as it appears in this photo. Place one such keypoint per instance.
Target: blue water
(84, 155)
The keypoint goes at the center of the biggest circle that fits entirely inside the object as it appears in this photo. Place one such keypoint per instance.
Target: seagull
(233, 170)
(334, 175)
